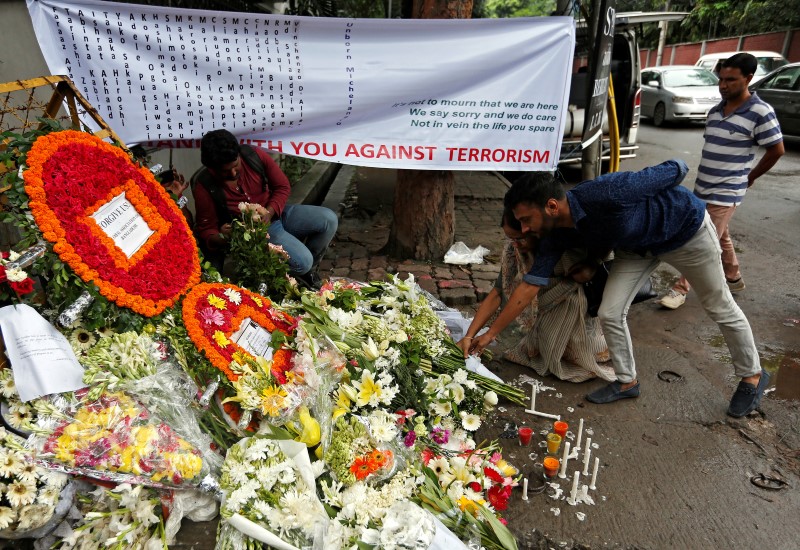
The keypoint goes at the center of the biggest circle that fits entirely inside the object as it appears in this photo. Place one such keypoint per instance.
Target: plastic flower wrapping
(113, 437)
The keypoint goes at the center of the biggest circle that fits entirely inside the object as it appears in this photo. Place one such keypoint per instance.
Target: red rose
(3, 274)
(475, 486)
(22, 287)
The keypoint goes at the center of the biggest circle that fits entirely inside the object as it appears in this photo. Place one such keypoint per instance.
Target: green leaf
(504, 536)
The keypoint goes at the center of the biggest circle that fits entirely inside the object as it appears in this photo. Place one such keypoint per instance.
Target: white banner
(421, 93)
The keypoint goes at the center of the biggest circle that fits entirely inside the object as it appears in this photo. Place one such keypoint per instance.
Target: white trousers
(699, 260)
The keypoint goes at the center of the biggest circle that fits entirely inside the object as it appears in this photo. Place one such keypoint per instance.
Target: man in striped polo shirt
(735, 128)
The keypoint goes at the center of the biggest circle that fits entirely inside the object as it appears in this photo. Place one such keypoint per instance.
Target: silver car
(678, 92)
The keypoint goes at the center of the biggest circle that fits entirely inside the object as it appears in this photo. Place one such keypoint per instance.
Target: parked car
(767, 62)
(678, 92)
(625, 71)
(781, 89)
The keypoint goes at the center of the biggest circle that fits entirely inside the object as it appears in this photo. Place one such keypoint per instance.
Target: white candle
(586, 458)
(534, 389)
(525, 488)
(580, 435)
(575, 481)
(594, 473)
(564, 459)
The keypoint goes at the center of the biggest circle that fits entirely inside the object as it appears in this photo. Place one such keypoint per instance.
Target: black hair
(510, 220)
(218, 148)
(745, 62)
(534, 188)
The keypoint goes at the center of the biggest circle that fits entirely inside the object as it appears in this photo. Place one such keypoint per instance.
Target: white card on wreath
(123, 224)
(254, 339)
(41, 358)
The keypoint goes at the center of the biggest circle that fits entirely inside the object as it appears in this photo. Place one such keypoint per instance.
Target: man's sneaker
(737, 285)
(747, 397)
(672, 300)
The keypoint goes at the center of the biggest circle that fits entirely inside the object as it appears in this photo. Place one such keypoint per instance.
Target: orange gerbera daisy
(362, 467)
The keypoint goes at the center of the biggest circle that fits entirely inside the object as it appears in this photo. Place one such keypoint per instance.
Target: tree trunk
(423, 221)
(424, 214)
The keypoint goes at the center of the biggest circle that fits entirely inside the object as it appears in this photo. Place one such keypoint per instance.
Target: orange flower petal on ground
(70, 176)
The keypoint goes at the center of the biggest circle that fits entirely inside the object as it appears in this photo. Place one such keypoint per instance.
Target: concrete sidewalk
(366, 218)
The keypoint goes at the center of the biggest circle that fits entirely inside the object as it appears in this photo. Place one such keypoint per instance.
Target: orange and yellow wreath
(212, 312)
(70, 175)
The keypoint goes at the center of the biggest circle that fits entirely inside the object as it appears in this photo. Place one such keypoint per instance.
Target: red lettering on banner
(474, 154)
(409, 152)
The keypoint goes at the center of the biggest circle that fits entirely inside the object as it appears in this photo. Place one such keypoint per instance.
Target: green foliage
(255, 261)
(518, 8)
(295, 167)
(711, 19)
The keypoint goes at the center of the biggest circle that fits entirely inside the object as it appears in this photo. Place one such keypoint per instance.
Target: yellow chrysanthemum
(217, 302)
(127, 457)
(239, 357)
(273, 399)
(257, 300)
(220, 338)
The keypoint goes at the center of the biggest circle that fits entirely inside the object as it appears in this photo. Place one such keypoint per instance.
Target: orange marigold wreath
(212, 312)
(70, 175)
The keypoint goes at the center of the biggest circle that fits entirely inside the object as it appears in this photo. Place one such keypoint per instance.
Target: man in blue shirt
(645, 217)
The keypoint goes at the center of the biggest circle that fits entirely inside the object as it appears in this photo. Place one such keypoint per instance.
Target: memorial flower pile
(361, 411)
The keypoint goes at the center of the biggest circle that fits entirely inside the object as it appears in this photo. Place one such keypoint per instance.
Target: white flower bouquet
(29, 494)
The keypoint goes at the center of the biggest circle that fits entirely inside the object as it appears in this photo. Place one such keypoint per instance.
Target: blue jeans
(304, 231)
(699, 260)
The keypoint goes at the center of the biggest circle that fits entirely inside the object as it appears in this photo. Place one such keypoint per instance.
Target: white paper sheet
(123, 224)
(254, 339)
(41, 358)
(474, 364)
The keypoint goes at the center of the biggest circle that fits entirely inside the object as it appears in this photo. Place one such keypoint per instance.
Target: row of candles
(551, 463)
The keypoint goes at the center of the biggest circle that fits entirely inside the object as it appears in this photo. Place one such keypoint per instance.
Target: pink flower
(440, 435)
(212, 316)
(495, 458)
(411, 437)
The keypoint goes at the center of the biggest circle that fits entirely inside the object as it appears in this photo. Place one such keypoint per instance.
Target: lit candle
(563, 473)
(586, 458)
(580, 435)
(594, 473)
(525, 488)
(574, 493)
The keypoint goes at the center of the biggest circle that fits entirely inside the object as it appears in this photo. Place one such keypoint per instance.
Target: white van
(767, 62)
(627, 86)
